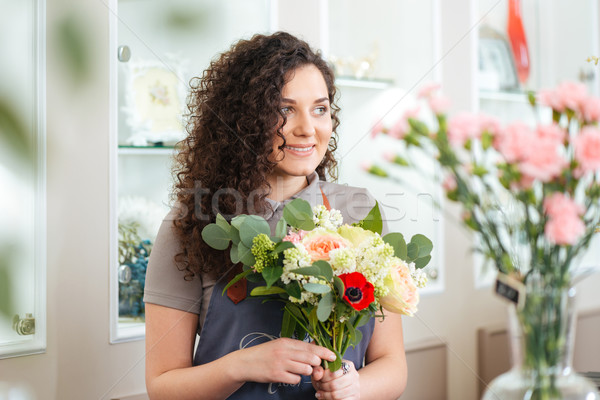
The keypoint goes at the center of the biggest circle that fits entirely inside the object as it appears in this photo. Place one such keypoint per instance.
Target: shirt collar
(308, 193)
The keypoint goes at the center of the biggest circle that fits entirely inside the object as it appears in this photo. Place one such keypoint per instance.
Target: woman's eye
(321, 110)
(286, 110)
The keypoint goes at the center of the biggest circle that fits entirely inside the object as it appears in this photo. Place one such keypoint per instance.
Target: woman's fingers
(339, 385)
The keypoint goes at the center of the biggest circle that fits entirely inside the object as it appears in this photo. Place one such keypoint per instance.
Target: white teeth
(304, 149)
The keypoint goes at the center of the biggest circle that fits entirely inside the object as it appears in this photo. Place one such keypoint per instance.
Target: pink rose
(439, 104)
(558, 204)
(428, 89)
(403, 295)
(294, 237)
(590, 109)
(319, 245)
(587, 149)
(515, 141)
(544, 162)
(564, 229)
(462, 127)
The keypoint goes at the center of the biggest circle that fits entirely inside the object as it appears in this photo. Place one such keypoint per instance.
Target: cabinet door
(158, 47)
(22, 179)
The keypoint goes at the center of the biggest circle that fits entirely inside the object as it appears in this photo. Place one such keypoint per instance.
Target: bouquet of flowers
(331, 277)
(530, 192)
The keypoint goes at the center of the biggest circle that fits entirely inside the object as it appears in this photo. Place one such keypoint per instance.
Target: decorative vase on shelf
(518, 41)
(542, 334)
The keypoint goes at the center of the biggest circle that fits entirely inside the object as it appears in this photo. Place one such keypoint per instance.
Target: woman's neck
(283, 188)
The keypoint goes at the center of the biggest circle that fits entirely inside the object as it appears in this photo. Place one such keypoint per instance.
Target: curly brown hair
(234, 115)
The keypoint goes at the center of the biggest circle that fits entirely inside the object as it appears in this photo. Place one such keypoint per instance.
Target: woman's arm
(170, 337)
(385, 373)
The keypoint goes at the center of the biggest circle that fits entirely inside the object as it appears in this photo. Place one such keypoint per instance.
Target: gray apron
(229, 327)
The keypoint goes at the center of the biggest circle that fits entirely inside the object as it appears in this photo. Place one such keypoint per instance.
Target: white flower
(329, 219)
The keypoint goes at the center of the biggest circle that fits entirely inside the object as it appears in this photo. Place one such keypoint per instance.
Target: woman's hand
(337, 385)
(281, 360)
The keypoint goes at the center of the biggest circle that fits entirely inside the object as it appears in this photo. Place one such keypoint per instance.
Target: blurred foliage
(6, 303)
(13, 134)
(73, 46)
(184, 19)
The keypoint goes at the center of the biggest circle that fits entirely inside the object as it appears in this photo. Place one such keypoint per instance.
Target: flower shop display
(133, 261)
(330, 277)
(531, 194)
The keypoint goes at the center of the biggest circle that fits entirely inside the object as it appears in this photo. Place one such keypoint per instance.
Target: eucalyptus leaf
(271, 274)
(234, 234)
(316, 288)
(234, 254)
(215, 237)
(298, 213)
(373, 221)
(422, 262)
(339, 287)
(281, 229)
(237, 221)
(281, 246)
(222, 222)
(325, 269)
(356, 338)
(264, 290)
(252, 226)
(245, 255)
(419, 246)
(325, 307)
(396, 240)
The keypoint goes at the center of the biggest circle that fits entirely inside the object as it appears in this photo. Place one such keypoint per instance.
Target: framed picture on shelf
(155, 101)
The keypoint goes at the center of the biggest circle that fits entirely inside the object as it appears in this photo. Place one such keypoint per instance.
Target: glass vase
(542, 334)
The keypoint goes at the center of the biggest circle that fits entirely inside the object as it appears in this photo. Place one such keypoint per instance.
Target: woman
(261, 132)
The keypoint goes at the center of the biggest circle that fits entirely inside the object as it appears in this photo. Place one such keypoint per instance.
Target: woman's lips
(300, 151)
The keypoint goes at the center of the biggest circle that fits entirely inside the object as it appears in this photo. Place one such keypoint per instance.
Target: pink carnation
(515, 142)
(428, 89)
(377, 128)
(587, 149)
(544, 162)
(449, 183)
(552, 132)
(564, 229)
(439, 104)
(558, 204)
(569, 95)
(294, 237)
(490, 124)
(590, 109)
(462, 127)
(402, 127)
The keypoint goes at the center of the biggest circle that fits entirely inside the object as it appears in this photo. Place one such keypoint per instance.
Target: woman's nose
(304, 125)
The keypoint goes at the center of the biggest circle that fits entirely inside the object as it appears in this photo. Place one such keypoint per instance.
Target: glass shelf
(348, 81)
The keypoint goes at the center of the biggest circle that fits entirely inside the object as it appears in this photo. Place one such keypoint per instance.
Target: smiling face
(305, 103)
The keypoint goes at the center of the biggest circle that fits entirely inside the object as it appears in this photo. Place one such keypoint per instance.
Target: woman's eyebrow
(292, 101)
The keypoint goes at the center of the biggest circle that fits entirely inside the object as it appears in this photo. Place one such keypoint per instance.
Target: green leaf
(316, 288)
(356, 338)
(293, 289)
(252, 226)
(324, 269)
(288, 324)
(234, 234)
(281, 228)
(337, 364)
(396, 240)
(424, 245)
(281, 246)
(325, 307)
(265, 291)
(237, 221)
(422, 262)
(418, 126)
(222, 222)
(237, 278)
(298, 213)
(215, 237)
(245, 255)
(234, 254)
(372, 221)
(339, 287)
(272, 274)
